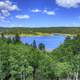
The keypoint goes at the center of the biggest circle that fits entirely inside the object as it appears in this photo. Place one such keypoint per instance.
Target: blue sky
(39, 13)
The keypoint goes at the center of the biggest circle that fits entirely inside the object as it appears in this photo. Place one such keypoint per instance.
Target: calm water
(51, 42)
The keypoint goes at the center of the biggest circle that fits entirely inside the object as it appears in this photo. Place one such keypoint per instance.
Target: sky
(39, 13)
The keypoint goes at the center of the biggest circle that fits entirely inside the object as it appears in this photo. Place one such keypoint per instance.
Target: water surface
(50, 42)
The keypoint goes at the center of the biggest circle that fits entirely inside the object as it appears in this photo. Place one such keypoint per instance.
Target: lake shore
(41, 34)
(48, 34)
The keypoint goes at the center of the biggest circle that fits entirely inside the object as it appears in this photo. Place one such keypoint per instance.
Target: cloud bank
(68, 3)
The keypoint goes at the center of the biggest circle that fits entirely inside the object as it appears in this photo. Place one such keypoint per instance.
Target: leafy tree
(63, 70)
(4, 52)
(41, 46)
(47, 68)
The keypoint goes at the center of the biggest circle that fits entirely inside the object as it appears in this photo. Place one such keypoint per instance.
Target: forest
(50, 30)
(20, 61)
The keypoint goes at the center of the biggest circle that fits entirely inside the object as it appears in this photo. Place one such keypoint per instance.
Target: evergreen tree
(2, 36)
(41, 46)
(16, 39)
(9, 40)
(34, 44)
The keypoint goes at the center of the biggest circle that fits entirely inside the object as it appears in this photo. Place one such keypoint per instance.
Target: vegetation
(19, 61)
(41, 47)
(39, 31)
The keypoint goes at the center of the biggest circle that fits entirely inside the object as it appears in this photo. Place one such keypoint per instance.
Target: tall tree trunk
(51, 78)
(24, 75)
(7, 77)
(21, 75)
(57, 78)
(76, 75)
(34, 73)
(68, 77)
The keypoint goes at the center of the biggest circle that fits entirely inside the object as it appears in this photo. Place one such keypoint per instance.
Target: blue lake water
(50, 42)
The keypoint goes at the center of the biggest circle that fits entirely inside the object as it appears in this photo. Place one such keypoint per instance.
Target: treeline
(65, 30)
(20, 61)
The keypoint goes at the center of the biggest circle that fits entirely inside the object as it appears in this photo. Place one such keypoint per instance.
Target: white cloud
(68, 3)
(7, 21)
(49, 12)
(12, 8)
(36, 10)
(22, 16)
(5, 13)
(2, 18)
(6, 7)
(45, 11)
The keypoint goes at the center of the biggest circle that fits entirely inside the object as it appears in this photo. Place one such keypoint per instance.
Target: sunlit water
(50, 42)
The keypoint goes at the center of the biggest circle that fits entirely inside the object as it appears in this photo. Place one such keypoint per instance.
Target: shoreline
(41, 34)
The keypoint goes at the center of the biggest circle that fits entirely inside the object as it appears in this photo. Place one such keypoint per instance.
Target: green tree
(47, 68)
(4, 52)
(16, 39)
(2, 36)
(34, 44)
(41, 46)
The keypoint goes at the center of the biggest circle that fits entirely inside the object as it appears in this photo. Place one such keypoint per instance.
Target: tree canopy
(19, 61)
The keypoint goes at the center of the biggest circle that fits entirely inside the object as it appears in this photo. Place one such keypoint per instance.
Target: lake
(51, 42)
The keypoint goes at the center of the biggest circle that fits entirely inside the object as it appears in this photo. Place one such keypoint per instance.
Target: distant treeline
(20, 30)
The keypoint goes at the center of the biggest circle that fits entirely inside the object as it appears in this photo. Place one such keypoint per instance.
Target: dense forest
(20, 30)
(20, 61)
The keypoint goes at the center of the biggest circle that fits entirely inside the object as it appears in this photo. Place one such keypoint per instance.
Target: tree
(77, 37)
(4, 56)
(63, 70)
(13, 62)
(34, 58)
(16, 39)
(34, 44)
(2, 36)
(41, 46)
(48, 67)
(68, 38)
(9, 40)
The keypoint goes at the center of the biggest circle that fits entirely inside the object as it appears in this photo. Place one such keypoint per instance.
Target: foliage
(34, 44)
(24, 62)
(35, 31)
(41, 46)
